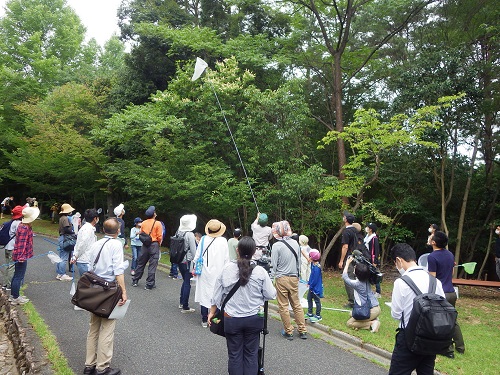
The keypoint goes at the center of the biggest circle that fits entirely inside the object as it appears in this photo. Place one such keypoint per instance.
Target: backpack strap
(407, 279)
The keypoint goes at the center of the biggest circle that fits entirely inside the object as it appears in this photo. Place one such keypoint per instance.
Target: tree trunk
(464, 201)
(490, 240)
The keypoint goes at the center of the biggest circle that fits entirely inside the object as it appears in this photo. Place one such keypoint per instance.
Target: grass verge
(49, 342)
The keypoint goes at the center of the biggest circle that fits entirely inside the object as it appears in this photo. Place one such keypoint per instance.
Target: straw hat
(66, 209)
(30, 214)
(187, 223)
(215, 228)
(17, 212)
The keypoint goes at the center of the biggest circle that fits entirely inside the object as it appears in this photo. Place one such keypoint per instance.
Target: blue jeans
(136, 251)
(186, 284)
(310, 297)
(64, 255)
(82, 268)
(204, 313)
(173, 270)
(18, 278)
(242, 339)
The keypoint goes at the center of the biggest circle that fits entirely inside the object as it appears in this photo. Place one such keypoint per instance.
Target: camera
(265, 260)
(375, 275)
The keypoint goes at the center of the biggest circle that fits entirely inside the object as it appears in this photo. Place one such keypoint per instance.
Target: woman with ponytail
(242, 322)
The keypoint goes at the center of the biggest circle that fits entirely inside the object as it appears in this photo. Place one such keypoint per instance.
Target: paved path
(156, 338)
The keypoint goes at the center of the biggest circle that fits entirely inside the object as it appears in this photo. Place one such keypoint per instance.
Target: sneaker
(187, 311)
(109, 371)
(348, 305)
(58, 277)
(318, 318)
(313, 319)
(21, 300)
(132, 273)
(149, 287)
(180, 306)
(6, 287)
(378, 295)
(288, 336)
(307, 316)
(375, 325)
(204, 324)
(65, 278)
(76, 308)
(303, 335)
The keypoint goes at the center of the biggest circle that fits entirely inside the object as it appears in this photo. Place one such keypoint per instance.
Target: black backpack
(4, 233)
(177, 248)
(432, 321)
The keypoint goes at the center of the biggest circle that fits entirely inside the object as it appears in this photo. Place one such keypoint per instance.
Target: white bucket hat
(187, 223)
(30, 214)
(119, 209)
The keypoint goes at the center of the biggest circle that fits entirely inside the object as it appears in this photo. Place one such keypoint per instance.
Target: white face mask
(400, 270)
(430, 230)
(367, 230)
(497, 231)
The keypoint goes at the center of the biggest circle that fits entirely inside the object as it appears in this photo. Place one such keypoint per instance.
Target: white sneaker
(180, 306)
(21, 300)
(375, 326)
(78, 308)
(204, 324)
(58, 277)
(65, 278)
(378, 295)
(187, 311)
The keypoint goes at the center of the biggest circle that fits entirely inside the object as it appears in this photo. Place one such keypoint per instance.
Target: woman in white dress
(215, 252)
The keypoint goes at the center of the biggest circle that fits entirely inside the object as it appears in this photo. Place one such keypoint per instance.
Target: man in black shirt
(497, 250)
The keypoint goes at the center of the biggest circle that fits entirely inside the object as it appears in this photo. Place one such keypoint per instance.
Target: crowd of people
(271, 264)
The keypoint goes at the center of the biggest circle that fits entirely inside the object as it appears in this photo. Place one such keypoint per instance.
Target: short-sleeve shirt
(442, 262)
(349, 237)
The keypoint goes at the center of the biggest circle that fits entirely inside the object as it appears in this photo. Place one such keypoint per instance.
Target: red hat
(17, 212)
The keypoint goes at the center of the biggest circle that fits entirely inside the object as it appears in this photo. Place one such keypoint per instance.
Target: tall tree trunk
(464, 200)
(490, 240)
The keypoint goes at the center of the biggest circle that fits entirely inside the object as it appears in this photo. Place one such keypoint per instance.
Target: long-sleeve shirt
(247, 300)
(156, 233)
(84, 240)
(23, 248)
(134, 236)
(362, 291)
(283, 261)
(189, 245)
(122, 229)
(316, 280)
(12, 234)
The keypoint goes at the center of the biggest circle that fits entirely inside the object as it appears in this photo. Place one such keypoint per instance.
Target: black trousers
(403, 361)
(149, 254)
(458, 338)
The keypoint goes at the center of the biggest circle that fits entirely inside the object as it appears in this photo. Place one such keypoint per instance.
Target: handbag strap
(99, 255)
(294, 254)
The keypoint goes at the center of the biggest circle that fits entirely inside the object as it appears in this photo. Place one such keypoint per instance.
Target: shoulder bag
(146, 238)
(95, 294)
(362, 312)
(198, 266)
(69, 242)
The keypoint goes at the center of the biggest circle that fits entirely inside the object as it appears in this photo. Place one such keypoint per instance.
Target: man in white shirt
(404, 361)
(110, 266)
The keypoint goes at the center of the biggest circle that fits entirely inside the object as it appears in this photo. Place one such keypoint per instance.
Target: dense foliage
(373, 106)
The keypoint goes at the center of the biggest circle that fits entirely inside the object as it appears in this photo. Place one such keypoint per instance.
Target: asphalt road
(156, 338)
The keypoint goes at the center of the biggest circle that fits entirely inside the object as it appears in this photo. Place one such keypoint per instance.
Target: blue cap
(137, 220)
(150, 212)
